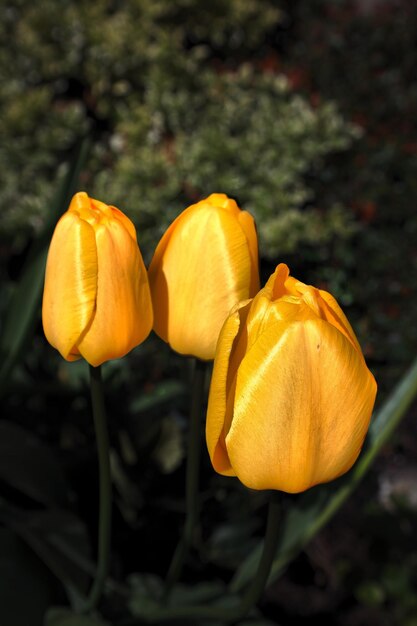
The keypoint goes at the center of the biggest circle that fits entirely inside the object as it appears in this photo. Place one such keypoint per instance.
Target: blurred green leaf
(60, 540)
(169, 451)
(57, 616)
(370, 593)
(147, 591)
(231, 541)
(182, 595)
(311, 511)
(161, 396)
(257, 622)
(147, 411)
(27, 588)
(22, 311)
(30, 466)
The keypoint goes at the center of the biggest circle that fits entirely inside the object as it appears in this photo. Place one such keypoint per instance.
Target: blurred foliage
(243, 133)
(304, 113)
(361, 55)
(175, 116)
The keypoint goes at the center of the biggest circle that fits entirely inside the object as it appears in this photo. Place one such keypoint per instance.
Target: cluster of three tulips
(291, 396)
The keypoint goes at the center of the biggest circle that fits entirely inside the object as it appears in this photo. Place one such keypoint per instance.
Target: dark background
(305, 112)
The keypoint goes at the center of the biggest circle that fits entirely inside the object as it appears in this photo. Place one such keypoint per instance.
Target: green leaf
(30, 466)
(204, 592)
(60, 541)
(146, 598)
(23, 309)
(57, 616)
(147, 411)
(231, 541)
(310, 512)
(146, 591)
(161, 396)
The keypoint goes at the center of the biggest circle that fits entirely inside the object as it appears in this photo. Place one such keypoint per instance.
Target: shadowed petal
(218, 397)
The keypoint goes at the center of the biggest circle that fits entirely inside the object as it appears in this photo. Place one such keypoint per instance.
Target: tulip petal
(275, 285)
(303, 402)
(221, 200)
(123, 316)
(80, 204)
(70, 284)
(157, 279)
(264, 313)
(249, 228)
(125, 221)
(218, 404)
(334, 314)
(220, 277)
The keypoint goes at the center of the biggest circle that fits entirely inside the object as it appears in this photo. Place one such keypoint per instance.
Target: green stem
(192, 475)
(104, 521)
(253, 593)
(270, 545)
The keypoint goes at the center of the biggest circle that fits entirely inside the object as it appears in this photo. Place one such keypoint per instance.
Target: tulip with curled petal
(291, 396)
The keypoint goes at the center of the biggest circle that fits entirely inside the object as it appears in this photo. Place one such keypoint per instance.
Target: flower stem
(104, 521)
(257, 586)
(231, 614)
(192, 475)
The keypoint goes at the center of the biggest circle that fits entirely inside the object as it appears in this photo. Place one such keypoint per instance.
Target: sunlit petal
(70, 284)
(201, 269)
(97, 300)
(123, 316)
(303, 402)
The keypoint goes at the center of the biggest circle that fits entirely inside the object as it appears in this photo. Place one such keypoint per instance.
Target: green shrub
(175, 111)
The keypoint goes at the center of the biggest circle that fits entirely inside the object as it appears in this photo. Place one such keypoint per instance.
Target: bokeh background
(305, 112)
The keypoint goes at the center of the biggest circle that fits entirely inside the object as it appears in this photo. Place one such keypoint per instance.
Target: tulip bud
(205, 263)
(291, 396)
(96, 301)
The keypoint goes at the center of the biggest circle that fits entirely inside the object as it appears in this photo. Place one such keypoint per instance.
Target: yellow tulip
(96, 301)
(205, 263)
(291, 396)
